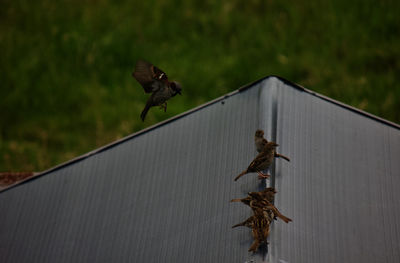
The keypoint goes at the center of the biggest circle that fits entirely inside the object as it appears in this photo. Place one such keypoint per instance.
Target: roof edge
(338, 103)
(221, 98)
(117, 142)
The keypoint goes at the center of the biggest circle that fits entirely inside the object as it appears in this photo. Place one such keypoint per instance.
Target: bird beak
(276, 144)
(179, 92)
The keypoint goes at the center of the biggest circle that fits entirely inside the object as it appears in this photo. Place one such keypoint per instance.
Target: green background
(65, 66)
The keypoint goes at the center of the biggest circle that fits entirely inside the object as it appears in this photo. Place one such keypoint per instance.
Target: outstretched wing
(159, 74)
(146, 73)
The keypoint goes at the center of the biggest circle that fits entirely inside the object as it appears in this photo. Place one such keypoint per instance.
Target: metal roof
(162, 195)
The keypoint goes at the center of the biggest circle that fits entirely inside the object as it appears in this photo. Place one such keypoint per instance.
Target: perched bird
(263, 200)
(259, 140)
(269, 194)
(261, 143)
(262, 161)
(260, 228)
(155, 81)
(266, 194)
(265, 205)
(264, 212)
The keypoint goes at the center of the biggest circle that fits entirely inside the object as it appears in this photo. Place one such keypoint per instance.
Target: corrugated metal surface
(163, 195)
(342, 186)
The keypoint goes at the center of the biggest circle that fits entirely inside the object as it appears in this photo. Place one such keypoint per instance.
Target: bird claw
(263, 176)
(164, 106)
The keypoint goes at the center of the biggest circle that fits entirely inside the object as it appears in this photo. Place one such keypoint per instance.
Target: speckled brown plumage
(260, 143)
(264, 212)
(262, 161)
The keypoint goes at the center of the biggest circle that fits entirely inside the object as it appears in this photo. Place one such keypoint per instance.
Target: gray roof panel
(163, 195)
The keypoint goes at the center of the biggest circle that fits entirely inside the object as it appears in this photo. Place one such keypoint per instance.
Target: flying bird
(155, 81)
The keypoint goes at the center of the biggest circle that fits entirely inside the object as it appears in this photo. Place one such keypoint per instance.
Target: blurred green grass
(65, 66)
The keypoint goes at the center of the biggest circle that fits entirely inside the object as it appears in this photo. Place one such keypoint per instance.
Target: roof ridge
(221, 98)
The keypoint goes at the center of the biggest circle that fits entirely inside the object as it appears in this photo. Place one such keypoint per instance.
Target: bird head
(270, 189)
(259, 133)
(256, 195)
(176, 87)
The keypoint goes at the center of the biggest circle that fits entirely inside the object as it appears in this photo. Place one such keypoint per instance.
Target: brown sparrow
(260, 227)
(261, 143)
(262, 161)
(259, 140)
(260, 230)
(155, 81)
(263, 214)
(266, 194)
(265, 205)
(263, 200)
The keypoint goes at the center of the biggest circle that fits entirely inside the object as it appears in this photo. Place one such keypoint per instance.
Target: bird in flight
(155, 81)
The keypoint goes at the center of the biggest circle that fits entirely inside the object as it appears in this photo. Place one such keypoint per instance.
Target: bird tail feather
(278, 214)
(283, 157)
(144, 112)
(240, 175)
(254, 246)
(240, 224)
(284, 218)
